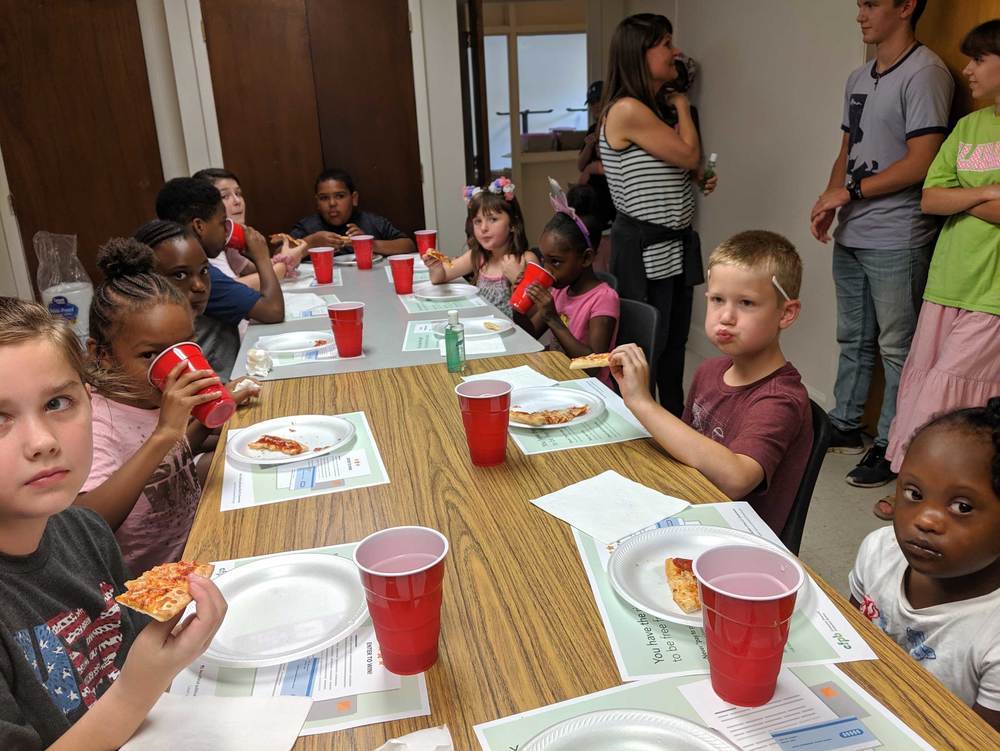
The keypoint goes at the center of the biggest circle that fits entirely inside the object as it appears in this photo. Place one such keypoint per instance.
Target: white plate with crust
(320, 434)
(283, 608)
(478, 328)
(627, 730)
(637, 567)
(538, 398)
(296, 342)
(348, 259)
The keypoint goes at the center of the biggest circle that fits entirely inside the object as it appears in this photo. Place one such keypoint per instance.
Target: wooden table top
(517, 605)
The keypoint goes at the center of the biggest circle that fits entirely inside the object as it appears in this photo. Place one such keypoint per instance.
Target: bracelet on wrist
(854, 190)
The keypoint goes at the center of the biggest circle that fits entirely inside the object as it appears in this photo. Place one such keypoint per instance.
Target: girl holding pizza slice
(497, 246)
(76, 669)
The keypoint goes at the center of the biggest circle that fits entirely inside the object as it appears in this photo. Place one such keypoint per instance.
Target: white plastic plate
(449, 291)
(285, 608)
(476, 328)
(297, 342)
(537, 398)
(627, 730)
(322, 434)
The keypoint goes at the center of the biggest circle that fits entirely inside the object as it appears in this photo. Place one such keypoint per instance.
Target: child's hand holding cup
(183, 373)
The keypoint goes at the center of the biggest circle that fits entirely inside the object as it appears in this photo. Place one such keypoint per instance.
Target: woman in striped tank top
(648, 165)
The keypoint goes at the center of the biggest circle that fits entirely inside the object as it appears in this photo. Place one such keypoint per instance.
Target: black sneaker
(845, 441)
(872, 471)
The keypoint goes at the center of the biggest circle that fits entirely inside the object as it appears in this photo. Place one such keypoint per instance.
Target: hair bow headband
(558, 200)
(502, 186)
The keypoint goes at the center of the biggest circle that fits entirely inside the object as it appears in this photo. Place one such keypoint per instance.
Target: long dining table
(520, 628)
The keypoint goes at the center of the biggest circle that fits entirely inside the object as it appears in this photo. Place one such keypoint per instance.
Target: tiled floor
(839, 516)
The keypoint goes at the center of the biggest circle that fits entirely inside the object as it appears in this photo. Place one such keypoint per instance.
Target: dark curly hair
(129, 285)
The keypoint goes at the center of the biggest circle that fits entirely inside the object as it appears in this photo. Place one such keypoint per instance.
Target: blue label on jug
(60, 306)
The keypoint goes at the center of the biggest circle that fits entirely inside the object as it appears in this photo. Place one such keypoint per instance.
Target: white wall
(770, 98)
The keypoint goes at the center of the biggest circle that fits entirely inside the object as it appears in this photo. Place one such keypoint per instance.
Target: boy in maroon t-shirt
(747, 424)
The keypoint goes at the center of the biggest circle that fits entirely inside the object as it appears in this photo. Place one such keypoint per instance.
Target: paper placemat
(300, 305)
(347, 681)
(645, 646)
(522, 376)
(356, 465)
(616, 425)
(819, 690)
(413, 305)
(419, 274)
(306, 279)
(420, 336)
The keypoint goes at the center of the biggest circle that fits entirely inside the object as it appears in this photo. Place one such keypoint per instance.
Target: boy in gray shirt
(895, 118)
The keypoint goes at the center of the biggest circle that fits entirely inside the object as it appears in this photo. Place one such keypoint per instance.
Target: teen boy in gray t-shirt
(895, 118)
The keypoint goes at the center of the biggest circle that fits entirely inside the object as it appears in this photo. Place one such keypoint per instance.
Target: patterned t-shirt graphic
(72, 656)
(855, 108)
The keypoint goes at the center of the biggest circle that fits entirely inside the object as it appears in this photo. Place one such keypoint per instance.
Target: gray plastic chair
(638, 324)
(611, 279)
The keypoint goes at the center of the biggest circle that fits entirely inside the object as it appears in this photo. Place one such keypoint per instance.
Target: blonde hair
(763, 252)
(22, 321)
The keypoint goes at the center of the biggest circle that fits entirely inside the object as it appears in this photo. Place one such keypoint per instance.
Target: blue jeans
(878, 301)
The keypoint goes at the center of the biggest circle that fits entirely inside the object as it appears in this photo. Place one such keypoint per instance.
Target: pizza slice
(280, 237)
(683, 585)
(277, 444)
(593, 360)
(548, 416)
(437, 255)
(162, 592)
(490, 326)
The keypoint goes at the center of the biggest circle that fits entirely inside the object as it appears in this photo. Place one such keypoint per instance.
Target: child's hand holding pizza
(165, 648)
(630, 369)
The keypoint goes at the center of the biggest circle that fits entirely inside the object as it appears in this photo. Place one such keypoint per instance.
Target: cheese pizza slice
(278, 444)
(162, 592)
(683, 585)
(437, 255)
(593, 360)
(548, 416)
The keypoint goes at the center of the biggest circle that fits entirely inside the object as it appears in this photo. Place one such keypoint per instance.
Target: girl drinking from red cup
(143, 479)
(497, 246)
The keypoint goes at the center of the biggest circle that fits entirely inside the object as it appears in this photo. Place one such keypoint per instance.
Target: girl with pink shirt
(143, 480)
(580, 311)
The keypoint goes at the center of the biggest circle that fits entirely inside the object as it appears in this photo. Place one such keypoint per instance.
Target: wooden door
(305, 84)
(363, 66)
(942, 28)
(76, 121)
(258, 51)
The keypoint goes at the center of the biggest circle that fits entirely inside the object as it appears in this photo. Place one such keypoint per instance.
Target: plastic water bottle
(713, 158)
(454, 343)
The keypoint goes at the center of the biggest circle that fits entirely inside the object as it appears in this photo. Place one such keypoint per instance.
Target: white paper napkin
(609, 507)
(483, 346)
(431, 739)
(212, 723)
(519, 377)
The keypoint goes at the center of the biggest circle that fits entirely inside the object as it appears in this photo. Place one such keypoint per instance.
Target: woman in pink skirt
(954, 360)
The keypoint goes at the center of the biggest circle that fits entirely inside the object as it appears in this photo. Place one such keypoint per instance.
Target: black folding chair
(791, 535)
(638, 324)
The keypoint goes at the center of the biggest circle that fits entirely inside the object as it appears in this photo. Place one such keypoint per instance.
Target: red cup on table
(426, 239)
(364, 248)
(347, 321)
(322, 261)
(402, 571)
(485, 409)
(211, 414)
(236, 236)
(519, 300)
(747, 600)
(402, 274)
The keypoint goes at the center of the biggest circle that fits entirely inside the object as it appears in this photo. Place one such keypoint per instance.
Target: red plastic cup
(402, 274)
(322, 261)
(486, 414)
(211, 414)
(519, 300)
(236, 236)
(426, 239)
(748, 596)
(347, 320)
(402, 571)
(364, 247)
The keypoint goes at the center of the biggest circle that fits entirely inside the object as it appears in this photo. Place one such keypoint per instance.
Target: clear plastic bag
(65, 286)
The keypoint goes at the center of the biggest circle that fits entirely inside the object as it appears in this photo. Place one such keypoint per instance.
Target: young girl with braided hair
(497, 245)
(932, 580)
(143, 480)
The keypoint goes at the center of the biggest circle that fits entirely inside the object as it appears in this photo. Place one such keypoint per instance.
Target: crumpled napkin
(430, 739)
(214, 723)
